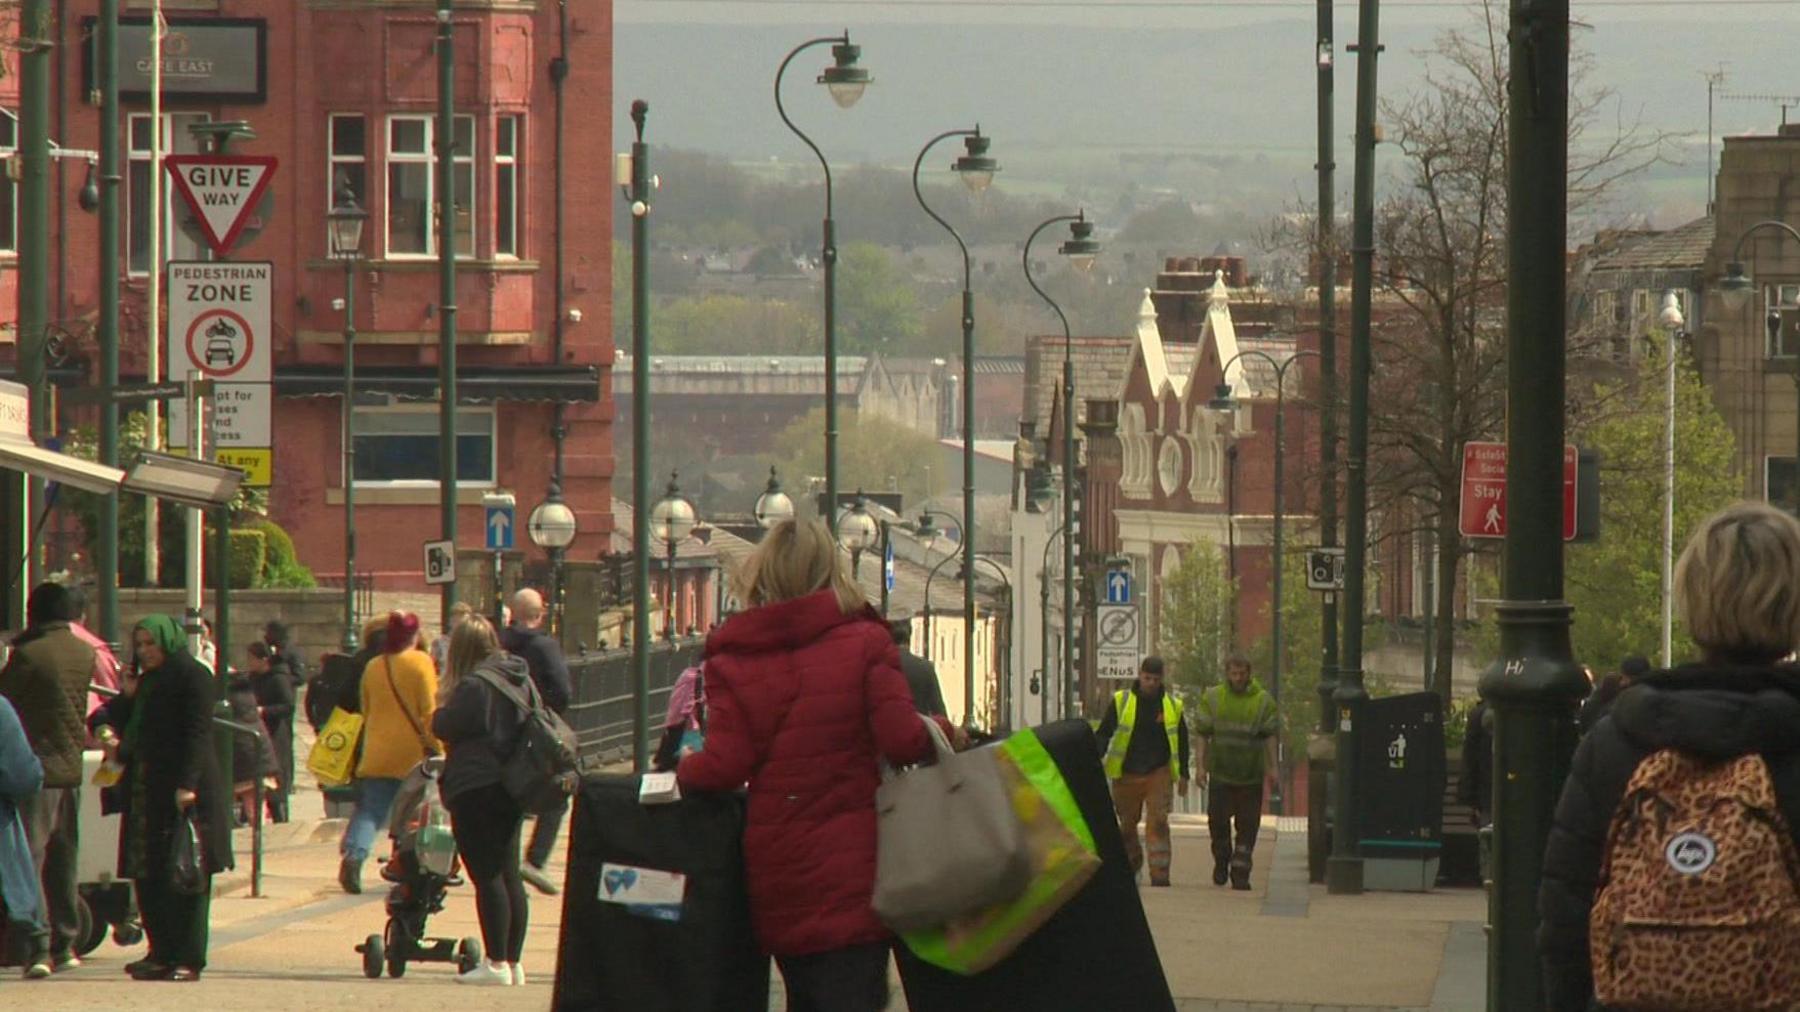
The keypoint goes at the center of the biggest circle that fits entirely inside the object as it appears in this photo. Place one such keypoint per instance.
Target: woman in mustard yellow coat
(399, 692)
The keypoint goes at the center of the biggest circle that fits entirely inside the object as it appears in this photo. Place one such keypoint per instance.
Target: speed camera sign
(1325, 569)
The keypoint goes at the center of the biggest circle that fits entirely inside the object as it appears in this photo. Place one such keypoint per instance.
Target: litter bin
(1401, 759)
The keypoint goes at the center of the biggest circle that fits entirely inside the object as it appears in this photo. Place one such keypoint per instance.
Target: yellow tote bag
(333, 755)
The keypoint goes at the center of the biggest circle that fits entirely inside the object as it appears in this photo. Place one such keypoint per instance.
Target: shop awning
(474, 384)
(59, 467)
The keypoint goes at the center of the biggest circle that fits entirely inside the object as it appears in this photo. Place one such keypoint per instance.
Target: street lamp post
(846, 82)
(774, 505)
(1674, 323)
(1532, 688)
(673, 520)
(977, 172)
(857, 531)
(552, 527)
(1082, 249)
(1225, 402)
(1736, 286)
(345, 225)
(635, 180)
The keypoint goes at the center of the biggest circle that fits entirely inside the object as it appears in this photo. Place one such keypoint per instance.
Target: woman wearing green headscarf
(163, 733)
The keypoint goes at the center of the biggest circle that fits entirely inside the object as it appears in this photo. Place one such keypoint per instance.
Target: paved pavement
(1283, 946)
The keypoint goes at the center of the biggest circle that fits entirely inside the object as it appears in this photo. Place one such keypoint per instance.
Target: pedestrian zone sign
(220, 327)
(1120, 641)
(222, 191)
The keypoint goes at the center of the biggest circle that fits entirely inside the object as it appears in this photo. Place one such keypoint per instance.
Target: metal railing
(601, 710)
(365, 591)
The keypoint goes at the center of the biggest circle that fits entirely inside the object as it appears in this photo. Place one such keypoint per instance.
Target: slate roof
(1101, 367)
(1685, 246)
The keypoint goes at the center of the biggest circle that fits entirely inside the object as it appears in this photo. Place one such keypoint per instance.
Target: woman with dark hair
(160, 729)
(398, 694)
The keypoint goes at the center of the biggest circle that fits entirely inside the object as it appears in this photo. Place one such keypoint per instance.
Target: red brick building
(345, 94)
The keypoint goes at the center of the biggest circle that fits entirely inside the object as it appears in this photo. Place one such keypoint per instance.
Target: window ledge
(429, 265)
(377, 495)
(418, 338)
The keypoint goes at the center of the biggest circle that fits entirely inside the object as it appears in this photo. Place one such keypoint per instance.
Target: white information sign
(1119, 646)
(219, 326)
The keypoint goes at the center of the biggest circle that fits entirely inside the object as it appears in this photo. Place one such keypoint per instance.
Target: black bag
(187, 862)
(544, 768)
(1102, 926)
(706, 959)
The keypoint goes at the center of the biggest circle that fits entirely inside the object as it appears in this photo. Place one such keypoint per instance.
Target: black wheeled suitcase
(634, 936)
(1095, 953)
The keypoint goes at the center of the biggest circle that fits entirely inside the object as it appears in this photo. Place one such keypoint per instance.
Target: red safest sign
(1484, 491)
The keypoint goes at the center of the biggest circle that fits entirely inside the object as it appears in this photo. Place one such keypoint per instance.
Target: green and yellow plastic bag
(1063, 858)
(333, 756)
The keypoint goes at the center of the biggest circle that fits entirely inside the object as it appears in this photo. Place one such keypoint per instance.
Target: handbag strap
(387, 665)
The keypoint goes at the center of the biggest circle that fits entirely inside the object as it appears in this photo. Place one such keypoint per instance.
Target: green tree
(877, 308)
(735, 325)
(1615, 582)
(1301, 652)
(1199, 605)
(873, 454)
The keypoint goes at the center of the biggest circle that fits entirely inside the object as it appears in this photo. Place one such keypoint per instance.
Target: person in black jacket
(525, 638)
(160, 728)
(1738, 588)
(479, 728)
(273, 686)
(921, 674)
(1606, 693)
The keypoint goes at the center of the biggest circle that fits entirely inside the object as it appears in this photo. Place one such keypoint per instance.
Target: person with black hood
(480, 727)
(1607, 692)
(272, 686)
(1737, 586)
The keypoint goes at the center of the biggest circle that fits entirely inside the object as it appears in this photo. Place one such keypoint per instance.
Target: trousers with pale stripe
(1145, 796)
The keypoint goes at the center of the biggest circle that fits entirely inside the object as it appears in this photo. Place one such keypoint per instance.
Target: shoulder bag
(425, 742)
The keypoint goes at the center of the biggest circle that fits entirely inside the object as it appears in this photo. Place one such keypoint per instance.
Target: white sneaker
(518, 975)
(37, 969)
(493, 974)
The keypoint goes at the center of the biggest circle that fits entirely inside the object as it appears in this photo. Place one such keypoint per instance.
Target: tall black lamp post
(1082, 249)
(670, 523)
(846, 82)
(552, 528)
(345, 223)
(977, 172)
(1224, 401)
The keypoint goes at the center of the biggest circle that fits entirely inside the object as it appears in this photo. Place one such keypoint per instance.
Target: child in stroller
(422, 870)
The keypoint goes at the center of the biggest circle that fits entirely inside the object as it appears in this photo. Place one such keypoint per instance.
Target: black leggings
(486, 824)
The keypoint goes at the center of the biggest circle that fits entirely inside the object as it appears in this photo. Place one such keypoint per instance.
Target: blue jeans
(374, 797)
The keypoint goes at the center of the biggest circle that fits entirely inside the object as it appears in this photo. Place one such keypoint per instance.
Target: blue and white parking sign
(1118, 587)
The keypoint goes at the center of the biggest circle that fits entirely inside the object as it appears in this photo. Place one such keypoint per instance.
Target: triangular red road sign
(222, 191)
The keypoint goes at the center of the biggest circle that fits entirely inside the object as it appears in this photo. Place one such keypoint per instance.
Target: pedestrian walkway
(1289, 945)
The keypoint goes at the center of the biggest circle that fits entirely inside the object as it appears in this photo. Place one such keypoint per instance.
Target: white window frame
(429, 160)
(134, 156)
(509, 173)
(491, 412)
(333, 160)
(9, 227)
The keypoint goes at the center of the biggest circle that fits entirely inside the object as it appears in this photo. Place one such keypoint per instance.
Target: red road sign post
(1483, 507)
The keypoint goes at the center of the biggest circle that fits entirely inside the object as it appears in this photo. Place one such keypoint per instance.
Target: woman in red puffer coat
(804, 697)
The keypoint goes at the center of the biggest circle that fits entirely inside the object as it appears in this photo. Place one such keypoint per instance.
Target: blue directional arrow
(1118, 587)
(499, 529)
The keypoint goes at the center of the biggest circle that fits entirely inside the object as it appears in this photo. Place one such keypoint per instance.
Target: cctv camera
(574, 316)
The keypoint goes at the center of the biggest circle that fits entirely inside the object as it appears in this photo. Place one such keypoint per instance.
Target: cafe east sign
(213, 59)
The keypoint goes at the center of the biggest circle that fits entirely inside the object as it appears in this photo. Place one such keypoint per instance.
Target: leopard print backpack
(1698, 905)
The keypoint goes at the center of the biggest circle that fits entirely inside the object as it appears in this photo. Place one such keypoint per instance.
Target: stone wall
(315, 618)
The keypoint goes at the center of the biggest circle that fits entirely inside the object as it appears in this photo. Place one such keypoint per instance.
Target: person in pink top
(106, 666)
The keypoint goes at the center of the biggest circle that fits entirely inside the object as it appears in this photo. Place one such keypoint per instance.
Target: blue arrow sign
(1118, 587)
(499, 527)
(887, 567)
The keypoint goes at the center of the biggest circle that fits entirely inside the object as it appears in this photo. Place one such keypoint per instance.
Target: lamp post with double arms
(671, 522)
(977, 171)
(846, 81)
(1082, 249)
(1225, 402)
(345, 226)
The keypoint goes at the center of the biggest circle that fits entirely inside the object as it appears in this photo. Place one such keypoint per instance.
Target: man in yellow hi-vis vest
(1144, 738)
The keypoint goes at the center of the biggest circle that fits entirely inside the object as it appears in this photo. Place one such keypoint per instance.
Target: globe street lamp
(774, 505)
(671, 521)
(344, 224)
(976, 170)
(845, 81)
(1081, 249)
(858, 531)
(1225, 402)
(552, 527)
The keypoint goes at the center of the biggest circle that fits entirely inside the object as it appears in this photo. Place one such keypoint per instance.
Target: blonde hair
(471, 642)
(1738, 583)
(797, 558)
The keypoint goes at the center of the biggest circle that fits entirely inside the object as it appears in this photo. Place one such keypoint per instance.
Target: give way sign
(1483, 513)
(222, 191)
